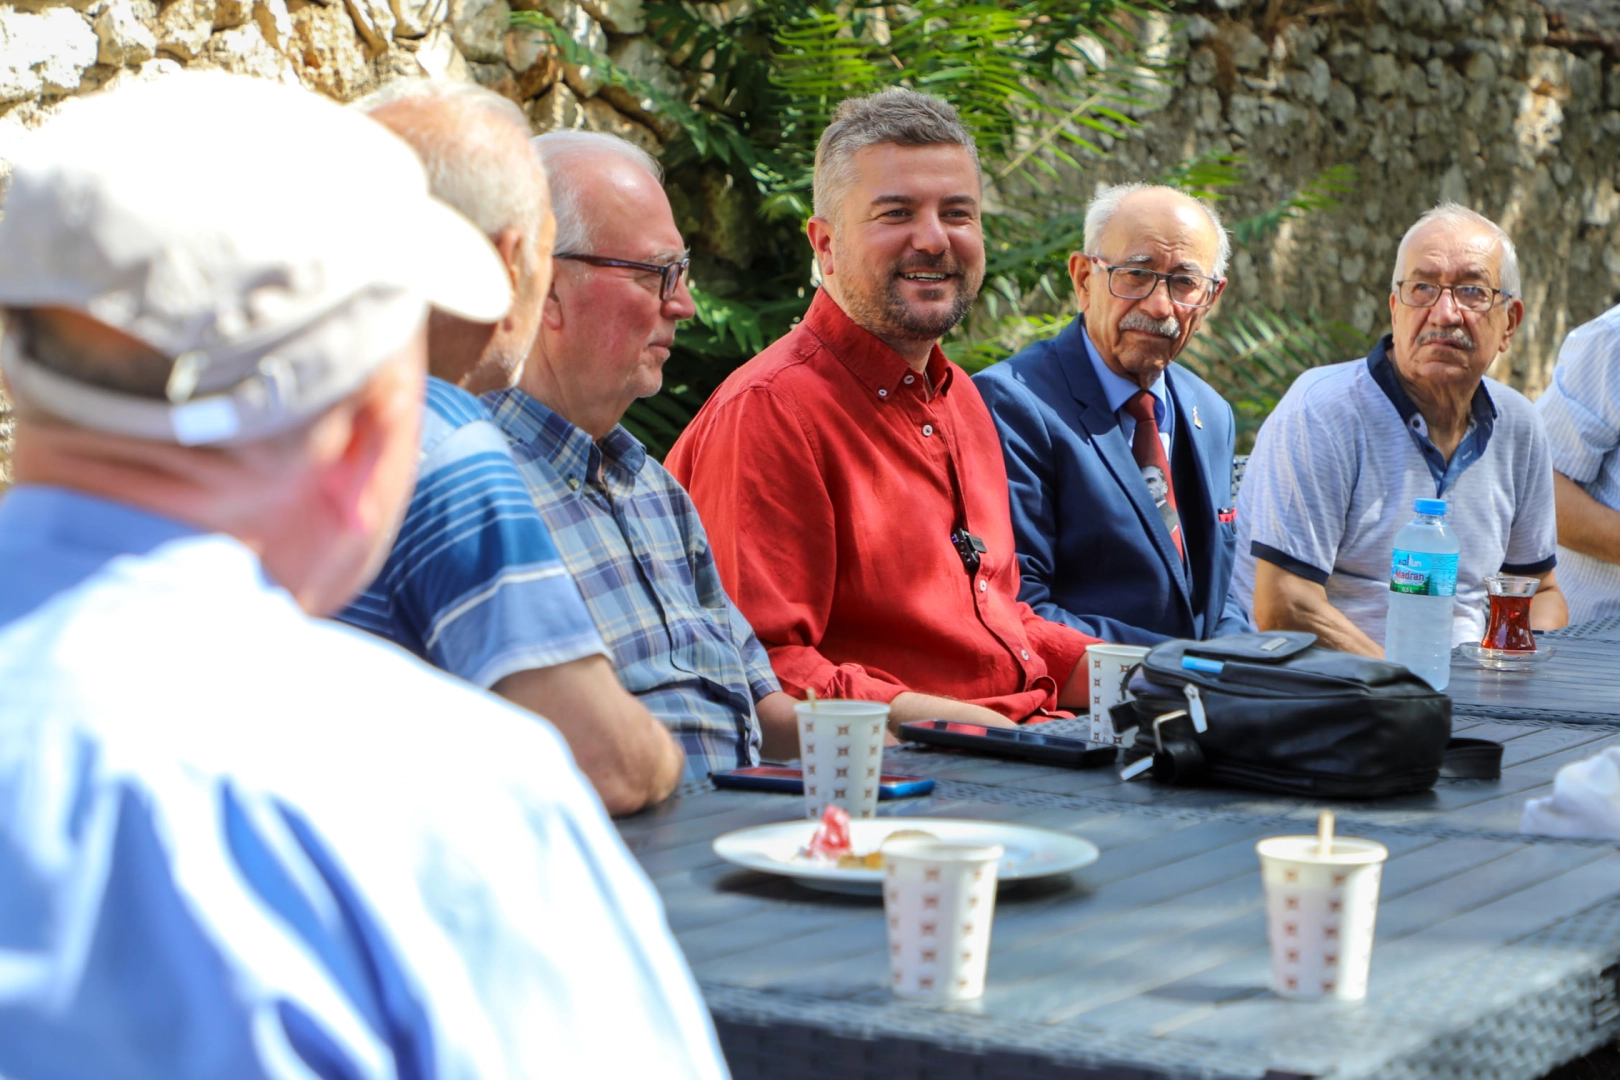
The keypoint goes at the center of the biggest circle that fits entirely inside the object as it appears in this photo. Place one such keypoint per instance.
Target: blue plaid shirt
(631, 537)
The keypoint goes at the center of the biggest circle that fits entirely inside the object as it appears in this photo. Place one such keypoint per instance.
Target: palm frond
(1252, 355)
(1320, 194)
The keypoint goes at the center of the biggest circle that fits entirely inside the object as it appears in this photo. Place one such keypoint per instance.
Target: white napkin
(1585, 802)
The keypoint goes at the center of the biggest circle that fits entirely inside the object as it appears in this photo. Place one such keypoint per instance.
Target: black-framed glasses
(669, 274)
(1138, 282)
(1468, 297)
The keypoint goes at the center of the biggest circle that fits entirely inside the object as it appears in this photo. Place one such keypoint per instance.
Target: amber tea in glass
(1507, 628)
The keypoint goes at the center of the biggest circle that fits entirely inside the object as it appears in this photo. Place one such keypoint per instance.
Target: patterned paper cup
(841, 746)
(1320, 911)
(939, 900)
(1110, 665)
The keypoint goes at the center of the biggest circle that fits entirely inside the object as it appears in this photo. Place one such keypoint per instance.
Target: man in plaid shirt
(626, 529)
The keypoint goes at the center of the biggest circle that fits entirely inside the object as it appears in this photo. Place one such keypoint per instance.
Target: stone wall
(51, 50)
(1509, 106)
(1512, 106)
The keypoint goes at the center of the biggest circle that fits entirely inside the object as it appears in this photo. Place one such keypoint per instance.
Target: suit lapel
(1103, 426)
(1204, 456)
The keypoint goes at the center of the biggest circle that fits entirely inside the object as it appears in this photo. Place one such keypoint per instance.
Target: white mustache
(1169, 326)
(1455, 335)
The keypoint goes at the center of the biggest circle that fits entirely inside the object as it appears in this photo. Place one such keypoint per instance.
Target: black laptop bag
(1283, 714)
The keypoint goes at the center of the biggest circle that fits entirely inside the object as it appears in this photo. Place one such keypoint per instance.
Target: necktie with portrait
(1148, 449)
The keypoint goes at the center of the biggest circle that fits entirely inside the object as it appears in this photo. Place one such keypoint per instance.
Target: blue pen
(1198, 663)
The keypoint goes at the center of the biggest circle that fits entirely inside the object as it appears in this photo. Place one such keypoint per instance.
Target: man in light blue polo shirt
(236, 840)
(475, 585)
(1336, 468)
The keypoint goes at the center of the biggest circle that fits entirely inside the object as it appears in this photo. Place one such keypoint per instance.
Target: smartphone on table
(790, 781)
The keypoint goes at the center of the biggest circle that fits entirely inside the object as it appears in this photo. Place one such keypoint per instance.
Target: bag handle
(1472, 759)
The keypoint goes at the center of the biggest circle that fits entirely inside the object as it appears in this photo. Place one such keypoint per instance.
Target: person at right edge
(1581, 409)
(1337, 467)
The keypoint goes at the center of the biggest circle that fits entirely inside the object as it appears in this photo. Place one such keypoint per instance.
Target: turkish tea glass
(1507, 627)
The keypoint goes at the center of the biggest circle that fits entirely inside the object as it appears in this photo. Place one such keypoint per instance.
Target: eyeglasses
(669, 274)
(1138, 283)
(1468, 297)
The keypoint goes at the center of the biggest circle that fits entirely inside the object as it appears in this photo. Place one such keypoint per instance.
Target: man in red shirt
(850, 477)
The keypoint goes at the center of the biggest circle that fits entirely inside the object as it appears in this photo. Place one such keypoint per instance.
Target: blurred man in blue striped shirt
(474, 584)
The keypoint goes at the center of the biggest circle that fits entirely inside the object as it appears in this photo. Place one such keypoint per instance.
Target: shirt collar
(1117, 389)
(1382, 369)
(570, 449)
(68, 518)
(876, 365)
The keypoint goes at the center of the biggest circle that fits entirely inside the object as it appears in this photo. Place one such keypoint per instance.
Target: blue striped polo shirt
(474, 585)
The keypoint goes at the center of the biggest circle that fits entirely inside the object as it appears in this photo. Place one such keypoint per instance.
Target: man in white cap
(235, 840)
(475, 585)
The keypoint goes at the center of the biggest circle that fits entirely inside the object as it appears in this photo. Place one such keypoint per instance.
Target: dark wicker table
(1579, 683)
(1496, 952)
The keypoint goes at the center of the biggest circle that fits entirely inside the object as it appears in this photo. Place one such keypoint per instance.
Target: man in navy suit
(1120, 461)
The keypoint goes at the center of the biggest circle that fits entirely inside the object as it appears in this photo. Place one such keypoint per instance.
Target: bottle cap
(1432, 507)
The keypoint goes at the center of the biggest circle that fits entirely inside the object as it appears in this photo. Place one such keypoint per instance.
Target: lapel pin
(1197, 423)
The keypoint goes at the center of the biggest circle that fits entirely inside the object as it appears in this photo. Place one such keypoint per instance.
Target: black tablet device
(1023, 743)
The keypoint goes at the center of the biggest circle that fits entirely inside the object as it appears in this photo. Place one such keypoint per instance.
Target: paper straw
(1324, 832)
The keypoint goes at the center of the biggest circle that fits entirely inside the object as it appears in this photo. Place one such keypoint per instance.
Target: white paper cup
(841, 749)
(1110, 666)
(939, 900)
(1320, 912)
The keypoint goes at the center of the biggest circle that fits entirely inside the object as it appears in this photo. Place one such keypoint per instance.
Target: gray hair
(1450, 213)
(469, 163)
(899, 116)
(1100, 211)
(574, 233)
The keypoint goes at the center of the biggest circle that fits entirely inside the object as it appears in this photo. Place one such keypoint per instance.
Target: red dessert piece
(832, 836)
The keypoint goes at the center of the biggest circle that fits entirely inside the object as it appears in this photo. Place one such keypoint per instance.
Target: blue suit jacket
(1092, 546)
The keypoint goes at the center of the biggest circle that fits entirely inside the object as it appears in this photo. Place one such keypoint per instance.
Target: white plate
(1030, 852)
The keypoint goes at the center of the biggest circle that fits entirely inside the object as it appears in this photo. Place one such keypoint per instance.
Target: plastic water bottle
(1422, 594)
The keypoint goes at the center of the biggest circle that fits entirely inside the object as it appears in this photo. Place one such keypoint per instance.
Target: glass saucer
(1501, 661)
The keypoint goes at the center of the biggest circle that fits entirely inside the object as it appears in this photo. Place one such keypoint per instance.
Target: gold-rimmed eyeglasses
(1468, 297)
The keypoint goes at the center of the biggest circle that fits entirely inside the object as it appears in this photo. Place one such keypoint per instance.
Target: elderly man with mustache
(1120, 461)
(1337, 466)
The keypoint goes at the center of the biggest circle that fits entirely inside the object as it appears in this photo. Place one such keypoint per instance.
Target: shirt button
(1024, 653)
(883, 393)
(983, 585)
(910, 379)
(573, 483)
(928, 429)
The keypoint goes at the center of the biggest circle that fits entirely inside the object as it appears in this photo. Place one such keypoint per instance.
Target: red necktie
(1149, 453)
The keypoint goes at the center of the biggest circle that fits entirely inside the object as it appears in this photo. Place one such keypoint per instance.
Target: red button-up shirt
(823, 472)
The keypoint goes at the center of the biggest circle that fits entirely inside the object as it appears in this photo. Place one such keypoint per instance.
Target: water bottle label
(1425, 573)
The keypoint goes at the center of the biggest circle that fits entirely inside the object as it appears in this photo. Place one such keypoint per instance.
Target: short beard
(889, 316)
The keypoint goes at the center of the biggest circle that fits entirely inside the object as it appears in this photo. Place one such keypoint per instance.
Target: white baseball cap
(277, 246)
